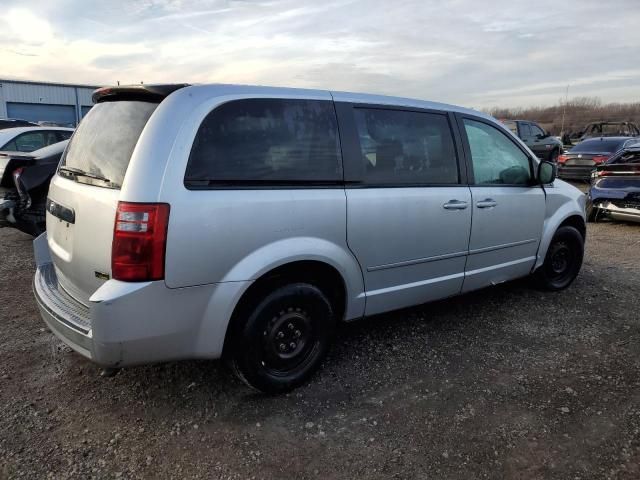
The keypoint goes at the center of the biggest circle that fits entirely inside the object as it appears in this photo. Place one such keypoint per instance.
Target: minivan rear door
(408, 207)
(84, 194)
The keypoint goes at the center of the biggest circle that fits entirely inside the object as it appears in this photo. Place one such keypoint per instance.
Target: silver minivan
(244, 223)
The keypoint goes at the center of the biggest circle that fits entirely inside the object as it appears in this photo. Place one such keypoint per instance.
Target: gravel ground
(508, 382)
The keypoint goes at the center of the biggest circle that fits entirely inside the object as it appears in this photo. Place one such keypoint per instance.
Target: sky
(474, 53)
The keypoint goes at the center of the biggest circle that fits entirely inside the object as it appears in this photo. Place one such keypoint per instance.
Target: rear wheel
(283, 339)
(563, 260)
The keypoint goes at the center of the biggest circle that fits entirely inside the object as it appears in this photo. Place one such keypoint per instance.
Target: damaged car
(615, 188)
(24, 183)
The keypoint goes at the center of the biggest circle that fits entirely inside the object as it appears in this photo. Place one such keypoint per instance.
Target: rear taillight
(600, 159)
(562, 158)
(139, 241)
(16, 174)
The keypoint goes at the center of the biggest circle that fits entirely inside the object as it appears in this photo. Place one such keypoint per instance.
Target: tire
(563, 260)
(283, 339)
(553, 156)
(591, 211)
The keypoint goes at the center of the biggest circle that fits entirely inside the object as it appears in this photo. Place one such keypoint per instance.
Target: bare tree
(579, 111)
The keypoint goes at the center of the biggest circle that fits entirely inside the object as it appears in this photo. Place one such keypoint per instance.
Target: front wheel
(283, 339)
(563, 260)
(591, 211)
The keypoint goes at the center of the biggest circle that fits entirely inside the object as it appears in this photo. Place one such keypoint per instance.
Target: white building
(61, 103)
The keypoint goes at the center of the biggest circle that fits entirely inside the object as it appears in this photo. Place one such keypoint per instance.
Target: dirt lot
(508, 382)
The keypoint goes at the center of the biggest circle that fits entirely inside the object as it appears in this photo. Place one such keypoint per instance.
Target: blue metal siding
(35, 112)
(85, 110)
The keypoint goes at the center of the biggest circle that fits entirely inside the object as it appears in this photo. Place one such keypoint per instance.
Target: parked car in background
(24, 183)
(615, 187)
(609, 129)
(579, 162)
(29, 139)
(536, 138)
(15, 122)
(241, 193)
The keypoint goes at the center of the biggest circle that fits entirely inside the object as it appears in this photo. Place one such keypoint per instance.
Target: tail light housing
(562, 158)
(139, 241)
(598, 159)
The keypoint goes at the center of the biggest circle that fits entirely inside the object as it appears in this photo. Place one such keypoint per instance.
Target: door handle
(487, 203)
(455, 205)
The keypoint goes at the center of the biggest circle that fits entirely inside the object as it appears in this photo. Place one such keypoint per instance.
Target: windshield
(103, 143)
(598, 146)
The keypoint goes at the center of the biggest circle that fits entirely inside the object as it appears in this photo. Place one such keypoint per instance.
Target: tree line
(578, 112)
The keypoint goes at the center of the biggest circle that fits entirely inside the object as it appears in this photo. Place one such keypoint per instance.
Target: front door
(408, 211)
(508, 207)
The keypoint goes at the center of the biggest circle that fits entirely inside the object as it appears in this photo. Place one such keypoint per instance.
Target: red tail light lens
(16, 173)
(600, 158)
(139, 241)
(562, 158)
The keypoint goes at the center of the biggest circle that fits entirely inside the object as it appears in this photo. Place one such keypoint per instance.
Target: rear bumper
(575, 172)
(136, 323)
(618, 213)
(68, 319)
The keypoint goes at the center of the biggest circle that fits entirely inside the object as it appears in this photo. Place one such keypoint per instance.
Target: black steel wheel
(283, 339)
(563, 260)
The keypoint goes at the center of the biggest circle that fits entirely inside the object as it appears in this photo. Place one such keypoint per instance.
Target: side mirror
(547, 172)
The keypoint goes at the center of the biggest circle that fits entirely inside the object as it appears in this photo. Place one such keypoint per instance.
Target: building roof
(56, 84)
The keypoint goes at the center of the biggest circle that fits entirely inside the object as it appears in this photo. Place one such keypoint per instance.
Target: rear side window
(511, 126)
(267, 141)
(406, 148)
(525, 131)
(103, 143)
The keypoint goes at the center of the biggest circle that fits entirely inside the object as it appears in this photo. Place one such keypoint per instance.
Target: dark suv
(537, 139)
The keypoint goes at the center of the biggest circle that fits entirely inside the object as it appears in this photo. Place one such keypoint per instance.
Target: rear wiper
(82, 173)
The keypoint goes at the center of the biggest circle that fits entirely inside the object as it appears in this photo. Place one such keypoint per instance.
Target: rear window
(266, 141)
(627, 157)
(103, 143)
(598, 146)
(511, 125)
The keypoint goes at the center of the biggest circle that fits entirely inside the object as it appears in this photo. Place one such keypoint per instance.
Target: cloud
(512, 52)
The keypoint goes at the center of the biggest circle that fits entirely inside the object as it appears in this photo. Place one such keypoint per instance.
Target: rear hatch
(84, 193)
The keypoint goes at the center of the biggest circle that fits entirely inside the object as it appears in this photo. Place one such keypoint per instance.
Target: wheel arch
(565, 216)
(331, 267)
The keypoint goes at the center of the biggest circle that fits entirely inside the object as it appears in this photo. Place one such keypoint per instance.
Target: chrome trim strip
(416, 261)
(501, 246)
(501, 265)
(406, 286)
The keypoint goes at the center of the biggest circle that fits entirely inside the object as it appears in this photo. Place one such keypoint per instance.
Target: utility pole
(564, 109)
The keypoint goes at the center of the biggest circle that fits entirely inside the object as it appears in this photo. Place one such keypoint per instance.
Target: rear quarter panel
(235, 235)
